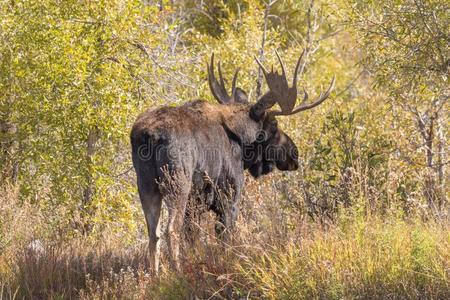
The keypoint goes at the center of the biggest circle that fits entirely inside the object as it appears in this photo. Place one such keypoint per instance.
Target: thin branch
(261, 50)
(350, 84)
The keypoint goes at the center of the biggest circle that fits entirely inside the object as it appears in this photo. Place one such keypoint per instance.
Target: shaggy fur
(205, 148)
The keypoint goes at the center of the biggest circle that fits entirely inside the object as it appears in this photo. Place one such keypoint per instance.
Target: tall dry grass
(365, 259)
(272, 255)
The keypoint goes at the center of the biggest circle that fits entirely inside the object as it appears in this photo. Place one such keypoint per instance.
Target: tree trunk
(9, 145)
(261, 50)
(441, 163)
(426, 128)
(90, 151)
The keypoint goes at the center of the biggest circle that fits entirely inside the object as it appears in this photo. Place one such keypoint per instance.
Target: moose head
(272, 147)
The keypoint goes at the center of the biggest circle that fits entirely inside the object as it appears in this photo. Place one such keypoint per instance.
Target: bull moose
(205, 147)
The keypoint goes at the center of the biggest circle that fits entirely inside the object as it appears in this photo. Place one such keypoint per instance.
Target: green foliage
(291, 19)
(70, 90)
(410, 43)
(209, 17)
(347, 148)
(406, 45)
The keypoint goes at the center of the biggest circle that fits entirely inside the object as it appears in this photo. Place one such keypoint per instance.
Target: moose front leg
(234, 212)
(226, 207)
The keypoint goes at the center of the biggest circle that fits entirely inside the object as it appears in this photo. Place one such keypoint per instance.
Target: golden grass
(369, 259)
(357, 257)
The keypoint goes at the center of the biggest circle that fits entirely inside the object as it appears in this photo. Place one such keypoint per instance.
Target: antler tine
(283, 70)
(217, 86)
(212, 79)
(261, 66)
(306, 96)
(322, 97)
(279, 88)
(233, 83)
(222, 82)
(286, 96)
(294, 81)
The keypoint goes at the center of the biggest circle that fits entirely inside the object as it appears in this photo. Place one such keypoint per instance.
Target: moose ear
(258, 110)
(241, 127)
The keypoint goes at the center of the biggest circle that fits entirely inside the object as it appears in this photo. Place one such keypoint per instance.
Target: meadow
(272, 256)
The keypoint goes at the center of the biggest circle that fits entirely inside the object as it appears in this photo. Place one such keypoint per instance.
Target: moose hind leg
(151, 204)
(176, 200)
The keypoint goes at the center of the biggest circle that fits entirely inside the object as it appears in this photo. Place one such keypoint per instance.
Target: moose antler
(218, 89)
(286, 96)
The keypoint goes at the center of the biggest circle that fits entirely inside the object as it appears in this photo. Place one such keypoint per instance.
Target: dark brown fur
(201, 146)
(201, 150)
